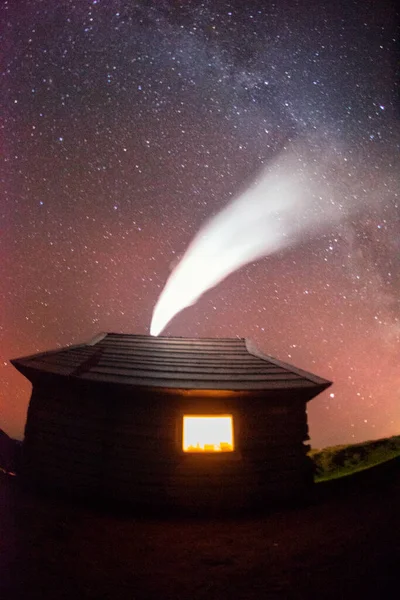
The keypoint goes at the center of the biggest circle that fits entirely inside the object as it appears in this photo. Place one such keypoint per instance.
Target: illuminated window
(207, 433)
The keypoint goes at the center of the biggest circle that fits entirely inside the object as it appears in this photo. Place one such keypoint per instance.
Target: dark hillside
(9, 453)
(342, 545)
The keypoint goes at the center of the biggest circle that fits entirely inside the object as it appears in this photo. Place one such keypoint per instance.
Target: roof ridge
(172, 337)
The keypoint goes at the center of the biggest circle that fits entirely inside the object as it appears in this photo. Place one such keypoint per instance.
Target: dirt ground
(345, 544)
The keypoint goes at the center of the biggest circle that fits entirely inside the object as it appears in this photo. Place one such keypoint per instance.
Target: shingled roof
(172, 362)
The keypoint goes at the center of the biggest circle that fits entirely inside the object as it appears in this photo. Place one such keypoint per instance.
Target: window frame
(234, 454)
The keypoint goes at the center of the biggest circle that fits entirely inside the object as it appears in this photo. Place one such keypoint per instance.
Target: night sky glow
(127, 126)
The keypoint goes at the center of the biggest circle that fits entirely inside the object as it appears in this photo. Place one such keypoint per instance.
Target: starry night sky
(126, 125)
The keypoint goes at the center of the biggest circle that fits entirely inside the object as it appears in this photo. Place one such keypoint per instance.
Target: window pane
(208, 433)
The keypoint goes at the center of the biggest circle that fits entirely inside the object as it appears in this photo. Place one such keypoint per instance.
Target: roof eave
(318, 381)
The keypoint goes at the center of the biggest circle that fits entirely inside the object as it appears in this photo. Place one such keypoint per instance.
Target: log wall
(124, 445)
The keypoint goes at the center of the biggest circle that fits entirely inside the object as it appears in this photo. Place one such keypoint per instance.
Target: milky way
(127, 126)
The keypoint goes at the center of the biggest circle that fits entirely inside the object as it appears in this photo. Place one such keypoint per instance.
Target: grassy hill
(338, 461)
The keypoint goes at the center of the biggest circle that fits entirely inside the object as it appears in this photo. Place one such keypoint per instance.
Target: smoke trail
(293, 197)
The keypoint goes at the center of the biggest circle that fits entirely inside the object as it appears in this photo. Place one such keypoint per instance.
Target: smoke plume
(293, 198)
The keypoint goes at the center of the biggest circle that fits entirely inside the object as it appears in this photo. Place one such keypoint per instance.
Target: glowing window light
(207, 433)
